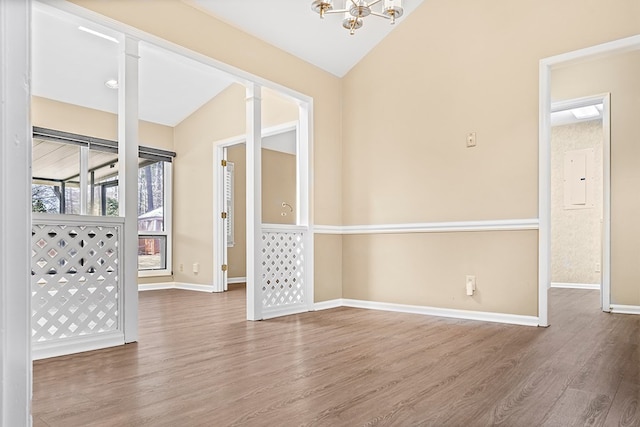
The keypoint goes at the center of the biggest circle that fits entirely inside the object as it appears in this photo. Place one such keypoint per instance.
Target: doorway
(605, 68)
(580, 188)
(283, 282)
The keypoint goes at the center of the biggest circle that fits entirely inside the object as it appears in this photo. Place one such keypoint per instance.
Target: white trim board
(512, 319)
(175, 285)
(326, 305)
(594, 286)
(625, 309)
(235, 280)
(431, 227)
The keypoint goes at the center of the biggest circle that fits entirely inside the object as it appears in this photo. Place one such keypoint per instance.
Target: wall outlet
(471, 285)
(181, 268)
(471, 139)
(196, 267)
(597, 267)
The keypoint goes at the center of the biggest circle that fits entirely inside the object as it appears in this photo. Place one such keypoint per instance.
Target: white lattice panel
(282, 269)
(75, 289)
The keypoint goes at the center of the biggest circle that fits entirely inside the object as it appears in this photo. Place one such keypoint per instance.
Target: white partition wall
(76, 284)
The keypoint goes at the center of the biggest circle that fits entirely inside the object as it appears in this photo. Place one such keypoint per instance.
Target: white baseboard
(326, 305)
(62, 347)
(156, 286)
(594, 286)
(234, 280)
(512, 319)
(625, 309)
(286, 311)
(193, 287)
(175, 285)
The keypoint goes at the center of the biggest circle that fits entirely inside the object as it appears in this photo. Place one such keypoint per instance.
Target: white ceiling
(292, 26)
(70, 65)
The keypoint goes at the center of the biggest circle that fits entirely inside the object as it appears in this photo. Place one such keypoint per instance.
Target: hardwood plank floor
(199, 363)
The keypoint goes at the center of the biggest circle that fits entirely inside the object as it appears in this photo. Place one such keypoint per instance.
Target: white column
(304, 158)
(254, 201)
(128, 180)
(544, 195)
(15, 213)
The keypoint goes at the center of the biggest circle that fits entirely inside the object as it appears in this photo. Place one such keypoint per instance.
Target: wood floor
(199, 363)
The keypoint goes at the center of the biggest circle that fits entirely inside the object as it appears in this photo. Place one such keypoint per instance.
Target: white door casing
(544, 155)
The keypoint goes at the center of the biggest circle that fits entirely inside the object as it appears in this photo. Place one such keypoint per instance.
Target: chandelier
(355, 10)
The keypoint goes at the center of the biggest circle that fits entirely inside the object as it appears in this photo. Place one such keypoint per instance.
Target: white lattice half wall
(75, 286)
(282, 282)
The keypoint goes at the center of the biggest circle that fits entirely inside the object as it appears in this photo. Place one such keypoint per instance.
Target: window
(57, 183)
(152, 226)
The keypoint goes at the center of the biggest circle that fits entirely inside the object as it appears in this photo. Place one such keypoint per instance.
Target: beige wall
(619, 76)
(450, 68)
(576, 234)
(65, 117)
(193, 185)
(429, 269)
(278, 185)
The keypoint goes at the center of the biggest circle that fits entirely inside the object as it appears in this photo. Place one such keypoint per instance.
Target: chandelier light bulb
(351, 23)
(322, 7)
(393, 9)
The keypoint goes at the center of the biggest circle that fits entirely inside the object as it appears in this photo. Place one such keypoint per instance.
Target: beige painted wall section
(186, 26)
(223, 117)
(619, 76)
(65, 117)
(328, 268)
(576, 234)
(278, 185)
(430, 269)
(450, 68)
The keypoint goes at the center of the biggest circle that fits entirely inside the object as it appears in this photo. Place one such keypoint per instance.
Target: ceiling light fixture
(98, 34)
(112, 84)
(355, 10)
(588, 112)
